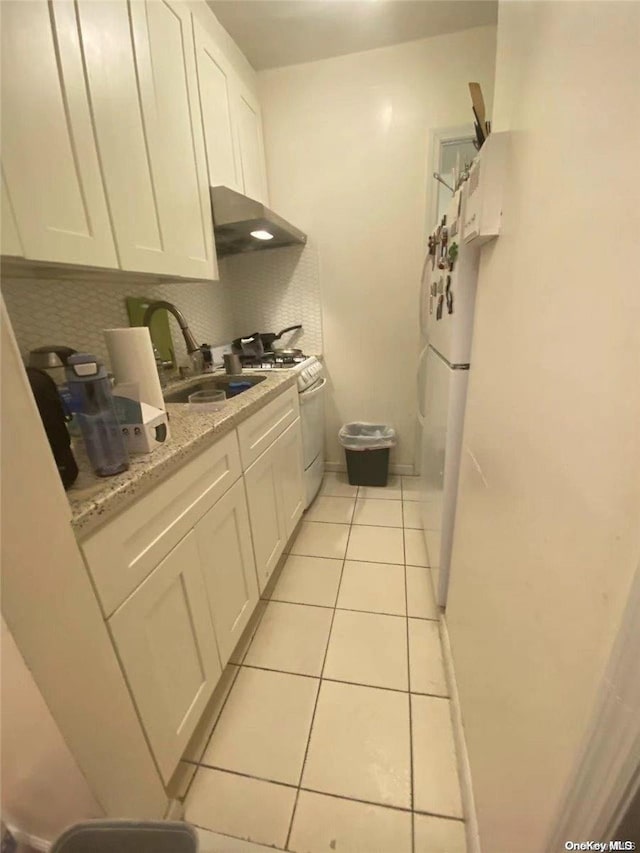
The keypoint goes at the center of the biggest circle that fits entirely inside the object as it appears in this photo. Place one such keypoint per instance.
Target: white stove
(311, 383)
(308, 367)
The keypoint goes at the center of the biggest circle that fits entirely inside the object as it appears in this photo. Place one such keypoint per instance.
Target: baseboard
(32, 842)
(464, 768)
(402, 470)
(215, 842)
(175, 810)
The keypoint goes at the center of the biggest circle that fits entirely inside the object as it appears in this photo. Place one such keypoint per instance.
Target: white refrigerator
(447, 299)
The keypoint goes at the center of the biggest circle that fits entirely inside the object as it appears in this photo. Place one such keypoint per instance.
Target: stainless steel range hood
(241, 224)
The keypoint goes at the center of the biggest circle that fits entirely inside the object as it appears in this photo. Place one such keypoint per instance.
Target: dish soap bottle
(95, 411)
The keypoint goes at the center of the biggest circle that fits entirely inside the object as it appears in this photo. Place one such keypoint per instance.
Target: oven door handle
(311, 392)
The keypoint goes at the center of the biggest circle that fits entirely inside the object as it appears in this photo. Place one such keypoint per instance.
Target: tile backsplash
(272, 289)
(263, 291)
(74, 313)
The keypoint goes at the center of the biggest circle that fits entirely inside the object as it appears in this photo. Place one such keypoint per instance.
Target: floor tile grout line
(315, 706)
(219, 769)
(238, 667)
(280, 671)
(351, 560)
(215, 726)
(411, 769)
(346, 609)
(255, 631)
(235, 837)
(292, 786)
(356, 523)
(411, 810)
(341, 681)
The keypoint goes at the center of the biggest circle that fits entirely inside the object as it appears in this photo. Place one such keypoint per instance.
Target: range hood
(241, 224)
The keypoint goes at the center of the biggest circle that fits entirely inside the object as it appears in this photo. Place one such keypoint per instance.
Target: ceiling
(272, 33)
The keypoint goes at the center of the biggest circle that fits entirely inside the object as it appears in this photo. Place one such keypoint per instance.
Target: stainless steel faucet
(190, 341)
(193, 348)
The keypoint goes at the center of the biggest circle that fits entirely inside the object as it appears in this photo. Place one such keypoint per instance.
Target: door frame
(606, 775)
(437, 138)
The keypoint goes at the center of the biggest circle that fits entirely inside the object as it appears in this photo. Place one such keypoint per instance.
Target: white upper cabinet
(231, 121)
(142, 78)
(254, 173)
(50, 165)
(117, 117)
(216, 87)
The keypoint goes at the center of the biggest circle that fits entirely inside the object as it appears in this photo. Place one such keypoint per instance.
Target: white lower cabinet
(187, 562)
(226, 556)
(275, 496)
(267, 526)
(166, 642)
(291, 477)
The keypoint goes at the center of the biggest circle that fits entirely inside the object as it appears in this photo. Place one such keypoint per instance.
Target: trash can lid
(360, 435)
(127, 836)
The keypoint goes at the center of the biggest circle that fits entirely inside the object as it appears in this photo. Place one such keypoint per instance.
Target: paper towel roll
(132, 360)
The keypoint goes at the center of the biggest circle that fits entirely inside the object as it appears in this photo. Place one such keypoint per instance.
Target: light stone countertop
(94, 500)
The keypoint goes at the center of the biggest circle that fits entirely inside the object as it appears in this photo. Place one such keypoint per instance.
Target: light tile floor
(333, 729)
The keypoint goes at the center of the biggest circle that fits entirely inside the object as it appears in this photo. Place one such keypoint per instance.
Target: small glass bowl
(207, 401)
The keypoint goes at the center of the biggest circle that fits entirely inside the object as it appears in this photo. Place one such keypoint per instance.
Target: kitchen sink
(220, 383)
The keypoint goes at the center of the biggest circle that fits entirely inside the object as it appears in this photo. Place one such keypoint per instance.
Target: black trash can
(127, 836)
(366, 448)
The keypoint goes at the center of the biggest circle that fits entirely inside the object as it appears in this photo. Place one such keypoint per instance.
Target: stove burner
(271, 360)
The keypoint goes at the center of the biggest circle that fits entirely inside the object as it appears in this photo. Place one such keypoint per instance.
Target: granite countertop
(94, 500)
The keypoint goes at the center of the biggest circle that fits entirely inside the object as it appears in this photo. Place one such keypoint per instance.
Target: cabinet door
(50, 165)
(250, 142)
(142, 79)
(216, 85)
(291, 476)
(267, 525)
(165, 639)
(226, 555)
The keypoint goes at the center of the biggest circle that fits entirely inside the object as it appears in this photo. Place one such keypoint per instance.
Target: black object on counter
(54, 420)
(258, 343)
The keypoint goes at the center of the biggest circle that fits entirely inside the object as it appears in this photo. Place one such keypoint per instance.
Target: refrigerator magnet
(448, 295)
(452, 255)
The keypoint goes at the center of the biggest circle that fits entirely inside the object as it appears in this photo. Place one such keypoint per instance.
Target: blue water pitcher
(92, 403)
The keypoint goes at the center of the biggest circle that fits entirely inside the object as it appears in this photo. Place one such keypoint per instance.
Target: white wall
(547, 533)
(43, 790)
(347, 155)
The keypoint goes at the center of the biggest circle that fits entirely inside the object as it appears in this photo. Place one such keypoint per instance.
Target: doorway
(452, 150)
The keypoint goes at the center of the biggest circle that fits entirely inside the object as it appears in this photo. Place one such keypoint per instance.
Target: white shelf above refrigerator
(483, 192)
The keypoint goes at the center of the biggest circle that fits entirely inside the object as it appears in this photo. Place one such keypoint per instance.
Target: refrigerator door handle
(420, 383)
(422, 318)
